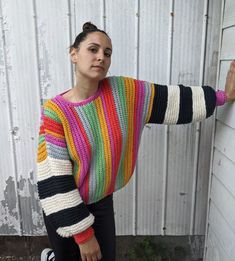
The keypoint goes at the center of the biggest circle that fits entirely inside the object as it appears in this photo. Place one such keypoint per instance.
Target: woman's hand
(230, 83)
(90, 250)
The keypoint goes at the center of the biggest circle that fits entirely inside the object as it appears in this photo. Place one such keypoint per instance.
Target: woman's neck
(82, 91)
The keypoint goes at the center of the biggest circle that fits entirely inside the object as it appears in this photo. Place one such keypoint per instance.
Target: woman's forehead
(98, 38)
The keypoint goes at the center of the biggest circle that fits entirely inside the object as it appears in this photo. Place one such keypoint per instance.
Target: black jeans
(66, 249)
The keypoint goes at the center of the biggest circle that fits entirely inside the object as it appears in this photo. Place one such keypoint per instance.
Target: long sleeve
(58, 193)
(181, 104)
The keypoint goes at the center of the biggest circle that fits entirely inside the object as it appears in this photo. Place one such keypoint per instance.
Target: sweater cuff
(221, 98)
(84, 236)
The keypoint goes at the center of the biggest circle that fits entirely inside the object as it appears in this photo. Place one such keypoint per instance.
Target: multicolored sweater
(88, 150)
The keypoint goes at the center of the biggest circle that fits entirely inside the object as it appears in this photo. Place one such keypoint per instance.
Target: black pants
(104, 226)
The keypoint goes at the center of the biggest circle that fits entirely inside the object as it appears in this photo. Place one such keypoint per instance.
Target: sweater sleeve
(58, 193)
(181, 104)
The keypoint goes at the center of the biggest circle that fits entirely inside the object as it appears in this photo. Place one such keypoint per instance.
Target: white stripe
(61, 201)
(69, 231)
(53, 167)
(173, 105)
(199, 106)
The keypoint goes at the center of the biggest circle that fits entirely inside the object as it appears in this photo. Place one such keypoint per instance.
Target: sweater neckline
(83, 102)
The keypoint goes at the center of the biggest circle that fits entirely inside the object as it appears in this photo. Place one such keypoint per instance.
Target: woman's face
(93, 57)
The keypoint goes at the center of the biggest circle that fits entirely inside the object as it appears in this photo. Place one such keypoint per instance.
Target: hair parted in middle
(87, 28)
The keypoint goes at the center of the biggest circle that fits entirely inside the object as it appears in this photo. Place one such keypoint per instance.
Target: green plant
(147, 250)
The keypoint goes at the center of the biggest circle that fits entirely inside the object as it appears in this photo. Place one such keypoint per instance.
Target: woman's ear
(74, 55)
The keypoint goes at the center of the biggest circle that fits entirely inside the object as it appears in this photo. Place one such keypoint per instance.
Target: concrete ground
(129, 248)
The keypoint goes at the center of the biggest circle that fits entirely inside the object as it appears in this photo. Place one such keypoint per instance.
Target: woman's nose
(100, 56)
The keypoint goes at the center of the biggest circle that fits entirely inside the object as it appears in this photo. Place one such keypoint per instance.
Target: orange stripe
(130, 99)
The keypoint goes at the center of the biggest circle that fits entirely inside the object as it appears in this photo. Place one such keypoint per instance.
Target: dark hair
(87, 28)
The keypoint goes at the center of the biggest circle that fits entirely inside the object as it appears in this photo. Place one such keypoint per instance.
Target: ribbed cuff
(221, 98)
(84, 236)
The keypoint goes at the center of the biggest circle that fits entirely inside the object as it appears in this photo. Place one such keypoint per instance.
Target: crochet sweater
(87, 150)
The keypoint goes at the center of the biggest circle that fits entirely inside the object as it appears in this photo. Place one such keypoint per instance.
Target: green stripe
(51, 114)
(100, 171)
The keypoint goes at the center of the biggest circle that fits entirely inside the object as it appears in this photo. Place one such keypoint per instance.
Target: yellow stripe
(106, 142)
(151, 102)
(42, 152)
(130, 99)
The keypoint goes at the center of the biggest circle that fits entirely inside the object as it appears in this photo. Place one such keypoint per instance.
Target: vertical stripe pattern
(88, 150)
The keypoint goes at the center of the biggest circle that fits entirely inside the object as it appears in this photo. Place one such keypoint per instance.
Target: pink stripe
(56, 141)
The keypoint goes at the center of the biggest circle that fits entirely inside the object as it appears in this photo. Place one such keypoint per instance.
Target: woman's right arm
(58, 193)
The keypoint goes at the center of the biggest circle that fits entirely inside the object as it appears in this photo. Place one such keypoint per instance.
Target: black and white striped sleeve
(59, 196)
(182, 104)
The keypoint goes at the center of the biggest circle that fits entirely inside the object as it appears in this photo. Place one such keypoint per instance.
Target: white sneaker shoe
(47, 255)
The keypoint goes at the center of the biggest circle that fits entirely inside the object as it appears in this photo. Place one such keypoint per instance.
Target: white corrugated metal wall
(220, 243)
(174, 41)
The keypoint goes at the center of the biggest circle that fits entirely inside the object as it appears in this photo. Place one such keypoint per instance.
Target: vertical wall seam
(166, 131)
(104, 15)
(10, 115)
(70, 39)
(37, 50)
(213, 134)
(135, 180)
(198, 125)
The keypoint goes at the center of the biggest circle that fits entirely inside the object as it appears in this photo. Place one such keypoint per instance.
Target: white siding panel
(9, 210)
(186, 60)
(223, 231)
(215, 252)
(121, 19)
(228, 44)
(223, 200)
(210, 72)
(53, 36)
(153, 64)
(229, 13)
(223, 169)
(25, 99)
(121, 25)
(224, 140)
(86, 11)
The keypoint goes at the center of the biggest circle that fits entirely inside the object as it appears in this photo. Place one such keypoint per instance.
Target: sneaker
(47, 255)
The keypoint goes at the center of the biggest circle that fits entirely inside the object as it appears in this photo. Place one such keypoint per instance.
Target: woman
(89, 140)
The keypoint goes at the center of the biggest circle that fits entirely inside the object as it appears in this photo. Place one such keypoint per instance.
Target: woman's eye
(107, 54)
(93, 50)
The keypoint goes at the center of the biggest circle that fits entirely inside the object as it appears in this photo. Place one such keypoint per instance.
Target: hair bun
(88, 26)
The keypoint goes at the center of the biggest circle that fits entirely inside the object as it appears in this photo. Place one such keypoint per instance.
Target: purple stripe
(56, 141)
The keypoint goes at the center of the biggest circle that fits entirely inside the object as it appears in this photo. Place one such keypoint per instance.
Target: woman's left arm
(186, 104)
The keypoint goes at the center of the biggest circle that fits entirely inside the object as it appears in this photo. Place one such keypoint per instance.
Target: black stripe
(210, 99)
(159, 104)
(68, 217)
(186, 105)
(56, 184)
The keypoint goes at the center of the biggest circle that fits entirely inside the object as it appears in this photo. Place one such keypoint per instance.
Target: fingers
(92, 258)
(95, 257)
(232, 66)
